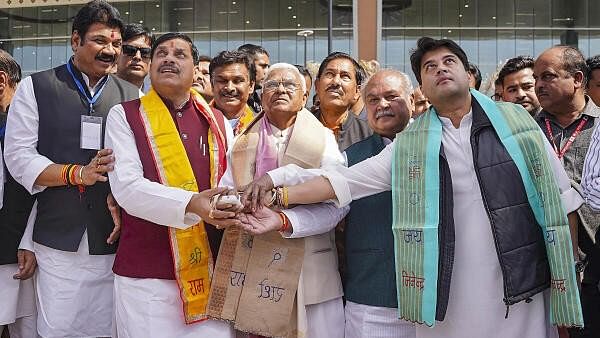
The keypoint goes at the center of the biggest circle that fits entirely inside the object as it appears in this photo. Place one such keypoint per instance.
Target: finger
(216, 191)
(101, 169)
(29, 269)
(255, 192)
(260, 198)
(114, 235)
(247, 192)
(104, 152)
(105, 160)
(21, 259)
(99, 178)
(225, 223)
(221, 214)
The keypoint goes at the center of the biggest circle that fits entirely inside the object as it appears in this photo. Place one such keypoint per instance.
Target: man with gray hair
(284, 280)
(568, 119)
(369, 281)
(370, 278)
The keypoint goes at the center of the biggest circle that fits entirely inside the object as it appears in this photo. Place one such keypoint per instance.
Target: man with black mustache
(233, 75)
(338, 86)
(518, 84)
(54, 149)
(134, 61)
(170, 150)
(568, 119)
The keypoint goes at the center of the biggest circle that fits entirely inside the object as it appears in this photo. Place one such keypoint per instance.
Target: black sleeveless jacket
(517, 235)
(16, 206)
(63, 213)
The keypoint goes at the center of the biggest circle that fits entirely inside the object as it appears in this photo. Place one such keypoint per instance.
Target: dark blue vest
(370, 270)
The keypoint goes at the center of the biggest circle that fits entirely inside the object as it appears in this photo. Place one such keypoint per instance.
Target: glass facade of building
(38, 37)
(489, 30)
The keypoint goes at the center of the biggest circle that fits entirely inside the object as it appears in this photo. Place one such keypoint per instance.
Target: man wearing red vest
(170, 149)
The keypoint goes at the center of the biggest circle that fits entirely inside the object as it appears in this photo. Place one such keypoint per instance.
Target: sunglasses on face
(130, 50)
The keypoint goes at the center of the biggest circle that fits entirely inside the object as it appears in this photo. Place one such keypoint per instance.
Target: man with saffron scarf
(232, 75)
(483, 211)
(169, 151)
(283, 283)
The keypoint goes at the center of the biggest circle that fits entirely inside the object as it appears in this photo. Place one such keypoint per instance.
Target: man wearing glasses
(134, 62)
(303, 293)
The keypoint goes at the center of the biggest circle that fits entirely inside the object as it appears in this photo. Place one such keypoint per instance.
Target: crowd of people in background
(152, 191)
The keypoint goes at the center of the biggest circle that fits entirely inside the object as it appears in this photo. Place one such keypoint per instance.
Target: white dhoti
(365, 321)
(74, 292)
(17, 304)
(152, 308)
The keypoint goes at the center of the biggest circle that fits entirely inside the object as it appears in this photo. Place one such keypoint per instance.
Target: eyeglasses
(272, 85)
(130, 50)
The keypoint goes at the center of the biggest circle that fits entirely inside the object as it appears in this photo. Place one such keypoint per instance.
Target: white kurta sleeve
(590, 180)
(27, 239)
(571, 199)
(20, 153)
(308, 220)
(366, 178)
(136, 194)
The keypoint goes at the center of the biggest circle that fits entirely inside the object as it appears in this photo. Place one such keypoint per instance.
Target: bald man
(568, 119)
(371, 292)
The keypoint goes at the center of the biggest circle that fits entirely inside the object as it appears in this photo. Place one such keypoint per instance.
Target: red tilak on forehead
(112, 34)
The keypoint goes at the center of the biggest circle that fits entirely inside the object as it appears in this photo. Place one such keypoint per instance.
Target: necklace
(182, 104)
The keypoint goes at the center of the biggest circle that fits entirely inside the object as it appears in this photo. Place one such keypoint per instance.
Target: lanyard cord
(90, 100)
(567, 145)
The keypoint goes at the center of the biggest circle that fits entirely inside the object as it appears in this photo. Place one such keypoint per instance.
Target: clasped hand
(251, 215)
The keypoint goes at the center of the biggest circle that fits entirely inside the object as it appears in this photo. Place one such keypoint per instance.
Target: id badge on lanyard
(91, 132)
(91, 126)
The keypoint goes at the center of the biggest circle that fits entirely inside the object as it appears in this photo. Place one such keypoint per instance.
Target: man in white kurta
(74, 281)
(475, 304)
(148, 300)
(284, 85)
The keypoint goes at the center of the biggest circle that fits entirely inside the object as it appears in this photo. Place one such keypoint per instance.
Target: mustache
(106, 57)
(385, 112)
(523, 101)
(335, 88)
(229, 93)
(169, 67)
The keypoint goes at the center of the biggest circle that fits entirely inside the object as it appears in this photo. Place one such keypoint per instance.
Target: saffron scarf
(244, 120)
(190, 248)
(416, 195)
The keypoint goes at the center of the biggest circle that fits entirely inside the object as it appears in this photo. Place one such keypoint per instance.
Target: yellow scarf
(190, 247)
